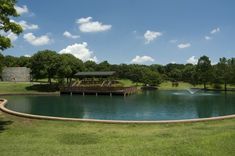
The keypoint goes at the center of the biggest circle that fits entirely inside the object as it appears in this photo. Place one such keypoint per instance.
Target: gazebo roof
(93, 74)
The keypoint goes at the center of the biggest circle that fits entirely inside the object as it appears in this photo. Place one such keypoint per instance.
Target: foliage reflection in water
(148, 105)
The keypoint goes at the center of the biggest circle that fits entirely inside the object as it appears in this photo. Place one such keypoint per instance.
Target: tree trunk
(204, 85)
(49, 80)
(225, 86)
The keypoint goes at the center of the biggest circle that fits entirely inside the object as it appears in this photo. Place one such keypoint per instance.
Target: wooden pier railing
(99, 90)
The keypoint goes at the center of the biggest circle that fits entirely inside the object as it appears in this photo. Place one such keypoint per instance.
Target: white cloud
(37, 41)
(87, 25)
(21, 10)
(184, 45)
(80, 50)
(208, 38)
(27, 55)
(142, 59)
(192, 60)
(215, 30)
(151, 35)
(69, 35)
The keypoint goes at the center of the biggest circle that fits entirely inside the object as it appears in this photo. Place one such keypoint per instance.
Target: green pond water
(147, 105)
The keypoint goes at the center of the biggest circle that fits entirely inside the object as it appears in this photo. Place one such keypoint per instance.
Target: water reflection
(148, 105)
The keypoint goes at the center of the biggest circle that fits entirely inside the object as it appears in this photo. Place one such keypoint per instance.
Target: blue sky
(128, 31)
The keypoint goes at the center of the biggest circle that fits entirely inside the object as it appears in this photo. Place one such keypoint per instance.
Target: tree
(68, 66)
(151, 78)
(222, 72)
(189, 74)
(204, 70)
(1, 64)
(10, 61)
(7, 10)
(231, 64)
(103, 66)
(90, 66)
(24, 61)
(45, 64)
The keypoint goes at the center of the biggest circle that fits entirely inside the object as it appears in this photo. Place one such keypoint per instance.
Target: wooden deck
(99, 90)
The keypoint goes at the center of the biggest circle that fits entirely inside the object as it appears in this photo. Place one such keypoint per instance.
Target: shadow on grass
(78, 139)
(43, 88)
(4, 124)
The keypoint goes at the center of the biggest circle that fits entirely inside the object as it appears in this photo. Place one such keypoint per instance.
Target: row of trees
(49, 64)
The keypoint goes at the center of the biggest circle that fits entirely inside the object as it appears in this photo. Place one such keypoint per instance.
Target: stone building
(16, 74)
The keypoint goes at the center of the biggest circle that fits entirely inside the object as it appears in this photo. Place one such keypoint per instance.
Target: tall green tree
(151, 77)
(24, 61)
(223, 72)
(10, 61)
(90, 66)
(45, 64)
(7, 11)
(68, 66)
(204, 70)
(189, 74)
(231, 64)
(103, 66)
(1, 64)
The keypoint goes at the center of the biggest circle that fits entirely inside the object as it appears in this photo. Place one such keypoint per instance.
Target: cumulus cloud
(37, 41)
(149, 36)
(142, 59)
(192, 60)
(216, 30)
(81, 51)
(87, 25)
(21, 10)
(69, 35)
(27, 55)
(208, 38)
(184, 45)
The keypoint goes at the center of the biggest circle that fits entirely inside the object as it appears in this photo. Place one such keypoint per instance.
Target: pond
(147, 105)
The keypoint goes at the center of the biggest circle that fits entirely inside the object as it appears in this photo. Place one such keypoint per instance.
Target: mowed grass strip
(20, 136)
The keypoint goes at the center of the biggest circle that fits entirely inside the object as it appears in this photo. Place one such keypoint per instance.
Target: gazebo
(98, 82)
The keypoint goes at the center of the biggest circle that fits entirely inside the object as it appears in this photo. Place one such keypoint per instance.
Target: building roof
(98, 73)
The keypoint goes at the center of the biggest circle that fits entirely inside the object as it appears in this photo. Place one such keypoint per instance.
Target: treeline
(49, 64)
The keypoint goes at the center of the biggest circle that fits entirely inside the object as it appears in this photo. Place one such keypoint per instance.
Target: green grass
(19, 136)
(127, 82)
(24, 87)
(182, 85)
(12, 87)
(42, 87)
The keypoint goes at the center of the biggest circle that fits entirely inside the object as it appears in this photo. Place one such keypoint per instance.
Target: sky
(127, 31)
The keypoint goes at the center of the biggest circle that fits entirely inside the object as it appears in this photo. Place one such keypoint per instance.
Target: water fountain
(193, 90)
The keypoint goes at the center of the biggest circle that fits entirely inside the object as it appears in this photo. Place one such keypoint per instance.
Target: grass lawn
(22, 87)
(182, 85)
(19, 136)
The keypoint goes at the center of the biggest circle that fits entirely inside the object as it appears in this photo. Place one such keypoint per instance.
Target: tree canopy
(7, 11)
(49, 64)
(204, 70)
